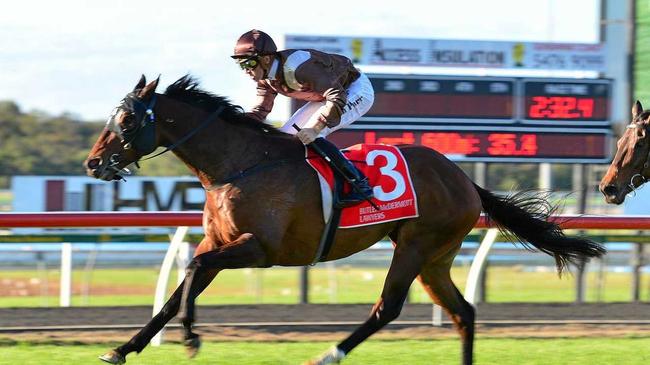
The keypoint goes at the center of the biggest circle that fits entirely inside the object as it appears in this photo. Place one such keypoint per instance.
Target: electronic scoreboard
(499, 119)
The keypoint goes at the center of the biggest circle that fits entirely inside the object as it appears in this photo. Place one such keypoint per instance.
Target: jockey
(336, 92)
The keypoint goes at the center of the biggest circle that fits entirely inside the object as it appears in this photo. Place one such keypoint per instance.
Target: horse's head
(630, 167)
(130, 133)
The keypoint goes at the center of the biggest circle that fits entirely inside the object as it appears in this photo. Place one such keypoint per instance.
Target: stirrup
(356, 196)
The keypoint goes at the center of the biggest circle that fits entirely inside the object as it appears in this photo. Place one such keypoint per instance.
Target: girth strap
(327, 239)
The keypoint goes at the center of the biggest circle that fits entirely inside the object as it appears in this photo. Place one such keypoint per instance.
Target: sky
(82, 57)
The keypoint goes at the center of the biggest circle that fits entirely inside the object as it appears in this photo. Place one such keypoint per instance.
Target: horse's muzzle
(96, 169)
(93, 166)
(93, 163)
(612, 194)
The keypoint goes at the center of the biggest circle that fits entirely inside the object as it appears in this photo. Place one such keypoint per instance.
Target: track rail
(193, 219)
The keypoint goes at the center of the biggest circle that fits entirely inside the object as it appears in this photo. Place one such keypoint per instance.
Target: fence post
(482, 288)
(304, 285)
(183, 258)
(332, 282)
(580, 282)
(636, 263)
(436, 316)
(41, 267)
(478, 266)
(66, 275)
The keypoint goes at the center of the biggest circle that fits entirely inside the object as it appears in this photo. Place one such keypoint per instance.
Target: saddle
(388, 174)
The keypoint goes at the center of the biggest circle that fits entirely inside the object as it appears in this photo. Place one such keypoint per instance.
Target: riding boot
(342, 165)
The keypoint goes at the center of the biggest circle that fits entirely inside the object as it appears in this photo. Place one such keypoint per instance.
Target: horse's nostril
(94, 163)
(610, 190)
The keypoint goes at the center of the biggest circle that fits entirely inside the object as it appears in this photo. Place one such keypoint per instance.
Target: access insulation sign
(446, 53)
(489, 119)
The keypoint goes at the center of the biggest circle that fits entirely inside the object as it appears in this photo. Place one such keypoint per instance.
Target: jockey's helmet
(254, 43)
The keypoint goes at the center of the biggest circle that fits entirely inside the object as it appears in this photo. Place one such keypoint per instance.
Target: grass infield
(109, 287)
(583, 351)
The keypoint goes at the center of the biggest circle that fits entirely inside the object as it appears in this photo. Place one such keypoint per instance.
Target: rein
(253, 170)
(213, 116)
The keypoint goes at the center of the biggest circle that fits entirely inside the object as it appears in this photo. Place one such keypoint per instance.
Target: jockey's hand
(307, 135)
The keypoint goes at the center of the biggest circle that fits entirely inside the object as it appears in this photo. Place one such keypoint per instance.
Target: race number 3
(388, 170)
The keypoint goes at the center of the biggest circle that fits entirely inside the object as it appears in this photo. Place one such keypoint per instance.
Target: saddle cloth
(388, 174)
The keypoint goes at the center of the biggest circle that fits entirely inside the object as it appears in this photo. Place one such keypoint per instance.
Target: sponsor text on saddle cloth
(388, 174)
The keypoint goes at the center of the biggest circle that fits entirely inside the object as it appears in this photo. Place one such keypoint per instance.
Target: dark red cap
(254, 43)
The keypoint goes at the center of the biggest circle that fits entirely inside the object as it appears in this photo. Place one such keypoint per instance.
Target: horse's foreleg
(144, 336)
(404, 267)
(246, 251)
(168, 311)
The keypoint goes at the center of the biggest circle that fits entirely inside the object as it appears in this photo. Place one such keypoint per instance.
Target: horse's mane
(187, 90)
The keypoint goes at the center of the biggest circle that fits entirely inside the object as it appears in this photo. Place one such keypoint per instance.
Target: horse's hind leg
(404, 268)
(436, 280)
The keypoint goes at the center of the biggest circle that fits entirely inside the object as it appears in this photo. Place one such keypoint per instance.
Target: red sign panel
(502, 145)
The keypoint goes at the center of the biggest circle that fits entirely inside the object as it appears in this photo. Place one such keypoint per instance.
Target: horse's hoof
(332, 356)
(192, 346)
(113, 357)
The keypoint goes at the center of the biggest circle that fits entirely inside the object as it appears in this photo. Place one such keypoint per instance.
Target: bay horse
(263, 208)
(630, 167)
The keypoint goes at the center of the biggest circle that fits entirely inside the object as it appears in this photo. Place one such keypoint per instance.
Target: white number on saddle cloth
(388, 170)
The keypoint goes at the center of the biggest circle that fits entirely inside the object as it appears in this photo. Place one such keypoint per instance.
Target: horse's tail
(524, 217)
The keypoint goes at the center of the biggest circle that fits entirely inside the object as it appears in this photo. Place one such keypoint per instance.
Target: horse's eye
(128, 122)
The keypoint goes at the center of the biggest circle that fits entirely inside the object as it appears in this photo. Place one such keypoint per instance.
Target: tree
(36, 143)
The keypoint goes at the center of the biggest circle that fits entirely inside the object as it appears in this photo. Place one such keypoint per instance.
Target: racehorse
(630, 167)
(263, 208)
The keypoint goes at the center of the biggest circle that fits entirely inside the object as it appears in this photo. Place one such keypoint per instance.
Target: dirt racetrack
(297, 322)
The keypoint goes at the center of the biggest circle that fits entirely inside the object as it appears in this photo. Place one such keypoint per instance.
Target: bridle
(142, 138)
(646, 164)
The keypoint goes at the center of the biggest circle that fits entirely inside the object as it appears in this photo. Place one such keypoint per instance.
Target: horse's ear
(141, 83)
(149, 89)
(637, 109)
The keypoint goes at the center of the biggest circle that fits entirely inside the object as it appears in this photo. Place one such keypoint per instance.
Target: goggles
(248, 64)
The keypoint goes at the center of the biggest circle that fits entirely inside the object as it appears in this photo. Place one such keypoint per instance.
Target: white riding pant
(361, 95)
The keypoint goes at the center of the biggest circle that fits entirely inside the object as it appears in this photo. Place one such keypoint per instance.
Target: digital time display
(441, 98)
(560, 107)
(566, 101)
(502, 145)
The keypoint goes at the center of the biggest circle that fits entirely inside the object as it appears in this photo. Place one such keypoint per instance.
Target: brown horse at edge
(263, 208)
(630, 167)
